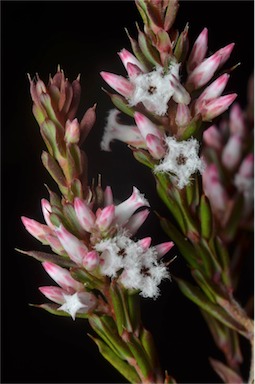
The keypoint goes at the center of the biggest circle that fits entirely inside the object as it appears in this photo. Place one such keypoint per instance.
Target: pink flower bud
(232, 152)
(146, 126)
(247, 166)
(163, 248)
(155, 146)
(214, 90)
(198, 51)
(180, 94)
(54, 294)
(225, 52)
(105, 217)
(62, 277)
(125, 210)
(118, 83)
(38, 230)
(136, 221)
(145, 243)
(55, 244)
(72, 131)
(46, 210)
(87, 123)
(203, 72)
(212, 138)
(84, 214)
(128, 58)
(91, 260)
(214, 190)
(183, 116)
(75, 248)
(108, 197)
(236, 121)
(217, 106)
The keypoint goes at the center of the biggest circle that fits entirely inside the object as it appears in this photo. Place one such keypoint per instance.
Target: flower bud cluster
(97, 240)
(54, 107)
(230, 165)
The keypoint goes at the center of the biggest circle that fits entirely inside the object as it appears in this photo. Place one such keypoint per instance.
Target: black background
(84, 37)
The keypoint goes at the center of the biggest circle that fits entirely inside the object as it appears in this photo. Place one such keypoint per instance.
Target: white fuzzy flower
(78, 302)
(181, 160)
(155, 89)
(139, 268)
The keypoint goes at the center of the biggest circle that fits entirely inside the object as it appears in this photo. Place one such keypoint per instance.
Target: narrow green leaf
(138, 53)
(206, 217)
(147, 49)
(140, 356)
(182, 45)
(53, 309)
(149, 347)
(143, 157)
(170, 15)
(134, 310)
(198, 297)
(192, 129)
(90, 281)
(55, 171)
(124, 368)
(118, 307)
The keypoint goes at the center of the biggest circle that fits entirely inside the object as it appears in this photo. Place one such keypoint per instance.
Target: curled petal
(136, 221)
(125, 210)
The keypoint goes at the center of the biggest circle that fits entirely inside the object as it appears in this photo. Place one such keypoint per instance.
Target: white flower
(181, 160)
(155, 89)
(78, 302)
(138, 268)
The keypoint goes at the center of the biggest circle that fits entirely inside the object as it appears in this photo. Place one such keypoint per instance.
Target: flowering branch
(173, 93)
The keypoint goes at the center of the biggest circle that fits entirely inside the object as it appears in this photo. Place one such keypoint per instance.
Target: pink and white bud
(183, 116)
(232, 152)
(198, 51)
(72, 132)
(145, 243)
(155, 146)
(108, 196)
(217, 106)
(212, 138)
(118, 83)
(214, 190)
(62, 277)
(136, 221)
(125, 210)
(146, 126)
(105, 217)
(203, 72)
(128, 58)
(38, 230)
(91, 260)
(54, 294)
(84, 214)
(247, 166)
(55, 244)
(163, 248)
(114, 130)
(75, 248)
(46, 210)
(180, 94)
(213, 91)
(225, 52)
(236, 121)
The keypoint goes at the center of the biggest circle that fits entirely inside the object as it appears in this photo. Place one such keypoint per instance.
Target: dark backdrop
(84, 37)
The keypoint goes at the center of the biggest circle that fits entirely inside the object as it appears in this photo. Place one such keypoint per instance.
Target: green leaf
(198, 297)
(134, 310)
(42, 256)
(143, 157)
(140, 356)
(89, 280)
(138, 53)
(121, 103)
(53, 309)
(182, 45)
(55, 171)
(124, 368)
(149, 347)
(192, 129)
(105, 327)
(147, 49)
(206, 217)
(118, 306)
